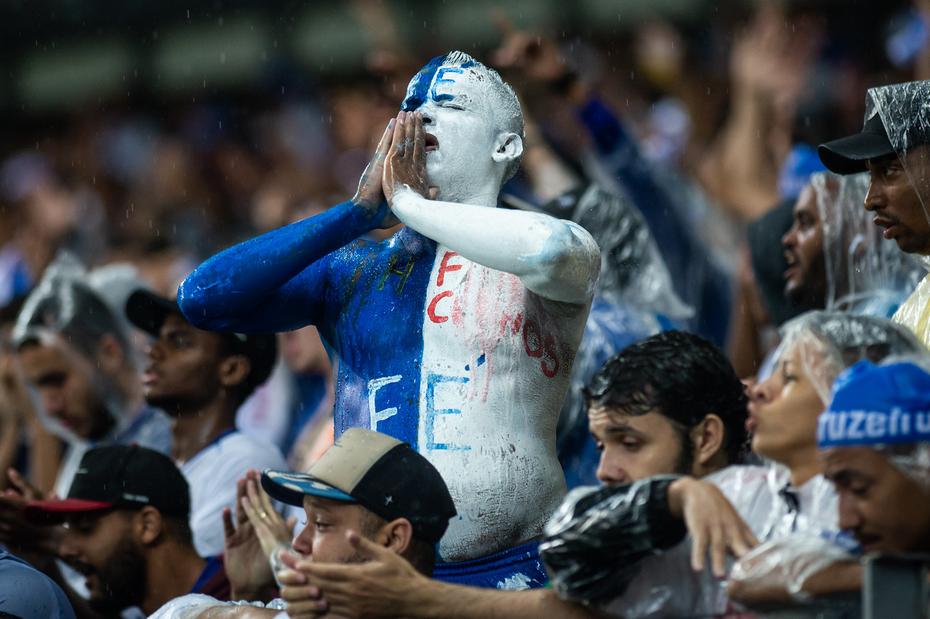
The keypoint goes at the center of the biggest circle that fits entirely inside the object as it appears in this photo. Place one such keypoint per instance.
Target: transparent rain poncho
(632, 269)
(799, 543)
(865, 273)
(67, 307)
(832, 341)
(904, 110)
(779, 514)
(634, 299)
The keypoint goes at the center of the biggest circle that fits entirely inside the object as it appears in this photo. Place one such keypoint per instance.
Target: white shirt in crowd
(212, 475)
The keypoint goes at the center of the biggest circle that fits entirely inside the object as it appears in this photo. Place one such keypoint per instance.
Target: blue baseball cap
(877, 405)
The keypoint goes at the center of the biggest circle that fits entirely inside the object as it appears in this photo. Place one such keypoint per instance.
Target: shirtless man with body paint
(458, 333)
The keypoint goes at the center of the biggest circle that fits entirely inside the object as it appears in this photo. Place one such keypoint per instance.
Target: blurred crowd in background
(707, 119)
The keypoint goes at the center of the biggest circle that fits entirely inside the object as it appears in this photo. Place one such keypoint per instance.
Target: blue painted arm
(696, 280)
(619, 150)
(273, 282)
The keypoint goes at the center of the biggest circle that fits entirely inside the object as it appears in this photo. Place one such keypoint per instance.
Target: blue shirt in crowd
(27, 593)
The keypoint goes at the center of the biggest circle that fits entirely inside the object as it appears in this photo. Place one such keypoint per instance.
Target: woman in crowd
(784, 498)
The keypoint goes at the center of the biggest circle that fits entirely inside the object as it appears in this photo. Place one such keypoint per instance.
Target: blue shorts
(516, 568)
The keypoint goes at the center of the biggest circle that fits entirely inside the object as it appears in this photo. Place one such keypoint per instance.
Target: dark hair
(176, 528)
(679, 375)
(260, 350)
(179, 529)
(420, 554)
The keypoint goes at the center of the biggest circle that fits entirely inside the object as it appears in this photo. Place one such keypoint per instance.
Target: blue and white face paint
(474, 126)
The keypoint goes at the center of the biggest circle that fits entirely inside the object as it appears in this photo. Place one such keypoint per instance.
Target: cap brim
(848, 155)
(58, 510)
(291, 488)
(147, 310)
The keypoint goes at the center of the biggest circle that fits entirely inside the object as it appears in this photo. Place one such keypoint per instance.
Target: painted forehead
(445, 78)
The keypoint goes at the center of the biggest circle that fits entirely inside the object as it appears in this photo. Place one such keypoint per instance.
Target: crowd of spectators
(747, 414)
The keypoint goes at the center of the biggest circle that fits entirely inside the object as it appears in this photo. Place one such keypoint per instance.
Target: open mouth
(431, 142)
(792, 263)
(868, 542)
(883, 222)
(891, 228)
(81, 568)
(149, 376)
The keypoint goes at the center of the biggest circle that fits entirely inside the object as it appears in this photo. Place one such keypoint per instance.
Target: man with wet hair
(674, 401)
(457, 334)
(894, 147)
(668, 404)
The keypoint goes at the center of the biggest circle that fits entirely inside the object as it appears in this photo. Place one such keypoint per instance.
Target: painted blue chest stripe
(380, 329)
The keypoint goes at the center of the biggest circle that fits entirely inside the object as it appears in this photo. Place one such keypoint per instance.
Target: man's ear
(708, 438)
(233, 370)
(507, 147)
(110, 354)
(147, 526)
(396, 535)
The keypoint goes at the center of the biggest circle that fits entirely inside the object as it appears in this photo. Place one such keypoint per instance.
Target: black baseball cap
(906, 105)
(119, 476)
(147, 311)
(379, 473)
(848, 155)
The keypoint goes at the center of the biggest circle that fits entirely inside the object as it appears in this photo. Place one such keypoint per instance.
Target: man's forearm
(554, 258)
(835, 579)
(240, 278)
(264, 593)
(446, 601)
(239, 612)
